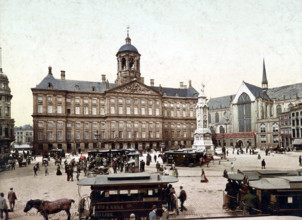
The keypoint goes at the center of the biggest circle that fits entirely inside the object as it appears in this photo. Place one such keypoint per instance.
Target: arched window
(221, 129)
(50, 85)
(290, 105)
(123, 64)
(77, 87)
(244, 113)
(216, 117)
(275, 127)
(131, 64)
(262, 128)
(93, 89)
(209, 118)
(279, 109)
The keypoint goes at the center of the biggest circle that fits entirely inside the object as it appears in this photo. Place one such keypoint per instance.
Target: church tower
(202, 134)
(128, 63)
(264, 78)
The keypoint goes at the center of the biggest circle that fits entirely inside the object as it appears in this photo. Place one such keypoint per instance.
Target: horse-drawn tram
(265, 192)
(117, 196)
(183, 157)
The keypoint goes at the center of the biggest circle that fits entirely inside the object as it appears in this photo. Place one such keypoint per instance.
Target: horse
(48, 207)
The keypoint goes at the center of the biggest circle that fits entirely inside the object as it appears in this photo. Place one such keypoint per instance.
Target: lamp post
(97, 136)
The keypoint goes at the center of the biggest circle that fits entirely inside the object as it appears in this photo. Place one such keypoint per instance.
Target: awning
(297, 141)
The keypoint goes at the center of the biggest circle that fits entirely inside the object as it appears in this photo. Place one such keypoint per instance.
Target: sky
(219, 43)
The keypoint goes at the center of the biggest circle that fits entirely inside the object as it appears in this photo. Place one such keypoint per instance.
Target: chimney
(181, 85)
(103, 78)
(185, 86)
(49, 70)
(62, 74)
(190, 83)
(151, 82)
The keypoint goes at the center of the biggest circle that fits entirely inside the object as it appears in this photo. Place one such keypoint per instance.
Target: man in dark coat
(263, 164)
(182, 197)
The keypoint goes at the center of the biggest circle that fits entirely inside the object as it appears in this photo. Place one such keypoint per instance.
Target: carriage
(276, 192)
(117, 196)
(183, 157)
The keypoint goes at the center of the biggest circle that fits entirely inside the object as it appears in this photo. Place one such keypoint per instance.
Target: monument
(202, 134)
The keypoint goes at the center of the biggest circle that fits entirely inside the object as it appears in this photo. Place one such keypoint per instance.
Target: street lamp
(97, 136)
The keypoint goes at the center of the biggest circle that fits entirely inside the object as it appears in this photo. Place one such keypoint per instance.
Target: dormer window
(93, 89)
(49, 86)
(77, 87)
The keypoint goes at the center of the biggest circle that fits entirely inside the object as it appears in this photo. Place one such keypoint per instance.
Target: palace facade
(73, 115)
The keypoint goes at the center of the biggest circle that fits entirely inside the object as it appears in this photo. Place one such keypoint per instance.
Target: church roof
(286, 92)
(257, 91)
(220, 102)
(277, 93)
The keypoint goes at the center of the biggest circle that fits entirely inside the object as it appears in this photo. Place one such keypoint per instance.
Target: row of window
(120, 124)
(113, 135)
(297, 122)
(26, 133)
(263, 128)
(102, 101)
(296, 114)
(275, 139)
(297, 133)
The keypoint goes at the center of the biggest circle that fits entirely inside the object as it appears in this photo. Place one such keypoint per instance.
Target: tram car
(57, 153)
(274, 192)
(117, 196)
(183, 157)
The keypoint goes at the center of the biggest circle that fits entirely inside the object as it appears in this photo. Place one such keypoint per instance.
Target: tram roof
(184, 150)
(288, 182)
(127, 179)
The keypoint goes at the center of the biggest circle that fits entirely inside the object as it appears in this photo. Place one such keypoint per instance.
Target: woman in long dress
(203, 177)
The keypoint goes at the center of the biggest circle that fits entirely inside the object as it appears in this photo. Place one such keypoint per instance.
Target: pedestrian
(175, 173)
(59, 173)
(143, 166)
(11, 196)
(232, 167)
(204, 179)
(3, 206)
(152, 214)
(157, 166)
(300, 160)
(259, 157)
(263, 164)
(35, 170)
(155, 158)
(46, 170)
(182, 197)
(78, 175)
(13, 165)
(174, 202)
(71, 174)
